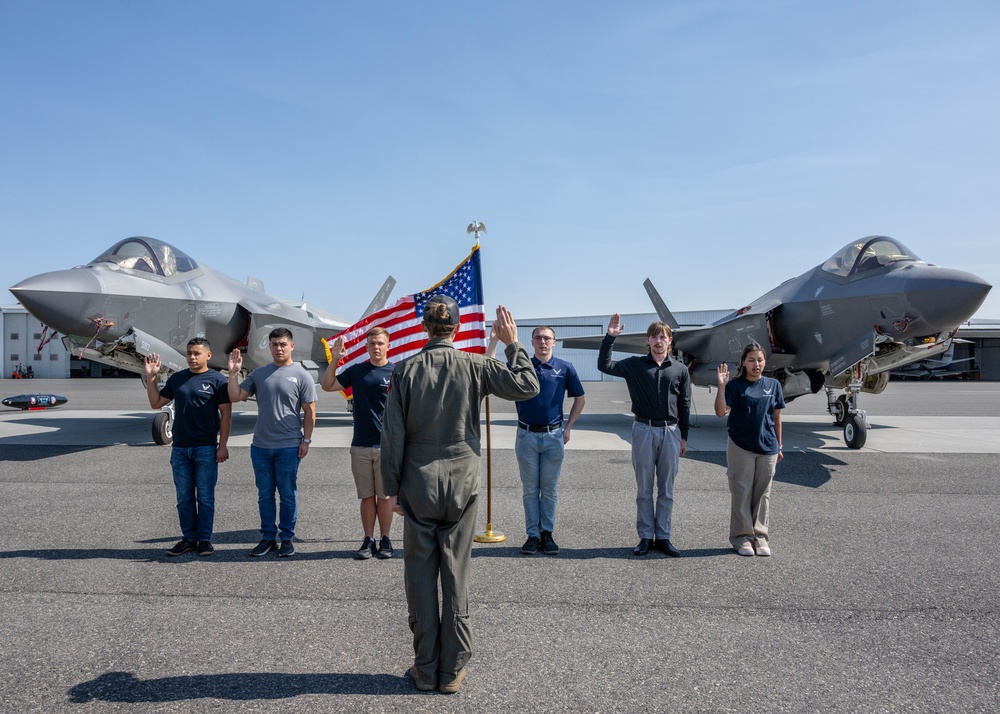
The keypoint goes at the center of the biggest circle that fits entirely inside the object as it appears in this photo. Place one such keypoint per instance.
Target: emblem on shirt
(557, 372)
(293, 379)
(206, 387)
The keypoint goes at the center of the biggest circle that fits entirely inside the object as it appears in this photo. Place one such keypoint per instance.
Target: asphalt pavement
(881, 594)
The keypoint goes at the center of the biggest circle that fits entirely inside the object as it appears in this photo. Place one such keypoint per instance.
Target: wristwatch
(306, 441)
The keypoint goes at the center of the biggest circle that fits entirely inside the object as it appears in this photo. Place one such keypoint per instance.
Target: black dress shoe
(667, 548)
(643, 547)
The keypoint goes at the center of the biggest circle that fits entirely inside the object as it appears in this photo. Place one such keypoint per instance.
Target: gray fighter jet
(143, 295)
(871, 308)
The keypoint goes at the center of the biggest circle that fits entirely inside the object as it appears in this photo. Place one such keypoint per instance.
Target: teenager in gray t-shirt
(281, 436)
(281, 392)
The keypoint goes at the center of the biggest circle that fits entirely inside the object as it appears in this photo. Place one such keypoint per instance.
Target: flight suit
(430, 459)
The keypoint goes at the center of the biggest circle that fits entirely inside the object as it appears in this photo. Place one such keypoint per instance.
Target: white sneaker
(763, 551)
(746, 549)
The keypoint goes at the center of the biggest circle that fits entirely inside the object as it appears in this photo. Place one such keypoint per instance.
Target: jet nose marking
(61, 299)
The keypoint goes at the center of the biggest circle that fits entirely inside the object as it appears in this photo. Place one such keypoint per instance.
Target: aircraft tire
(855, 432)
(162, 433)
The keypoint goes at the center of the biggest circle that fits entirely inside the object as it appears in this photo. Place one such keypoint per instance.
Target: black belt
(654, 422)
(537, 429)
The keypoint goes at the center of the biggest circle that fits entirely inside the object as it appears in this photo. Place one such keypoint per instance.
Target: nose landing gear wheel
(855, 431)
(163, 434)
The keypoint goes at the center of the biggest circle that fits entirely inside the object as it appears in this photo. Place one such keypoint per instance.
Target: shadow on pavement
(244, 686)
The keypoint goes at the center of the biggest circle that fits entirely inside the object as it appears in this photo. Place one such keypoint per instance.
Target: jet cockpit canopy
(147, 255)
(868, 254)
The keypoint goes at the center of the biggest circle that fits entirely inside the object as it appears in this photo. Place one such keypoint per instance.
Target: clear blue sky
(717, 147)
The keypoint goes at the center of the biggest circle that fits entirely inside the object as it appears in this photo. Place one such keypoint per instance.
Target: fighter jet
(143, 295)
(871, 308)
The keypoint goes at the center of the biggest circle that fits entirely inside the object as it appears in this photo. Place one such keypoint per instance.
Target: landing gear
(841, 409)
(855, 431)
(846, 413)
(163, 427)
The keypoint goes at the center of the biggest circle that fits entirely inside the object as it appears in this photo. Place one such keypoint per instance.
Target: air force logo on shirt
(293, 379)
(557, 372)
(207, 388)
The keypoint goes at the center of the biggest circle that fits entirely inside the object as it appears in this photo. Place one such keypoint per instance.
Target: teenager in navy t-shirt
(753, 403)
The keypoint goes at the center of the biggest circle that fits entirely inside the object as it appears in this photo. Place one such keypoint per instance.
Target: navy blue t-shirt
(751, 415)
(556, 379)
(369, 385)
(196, 406)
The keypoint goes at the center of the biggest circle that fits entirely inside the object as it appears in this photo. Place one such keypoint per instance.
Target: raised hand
(723, 375)
(338, 350)
(504, 327)
(152, 366)
(615, 325)
(235, 361)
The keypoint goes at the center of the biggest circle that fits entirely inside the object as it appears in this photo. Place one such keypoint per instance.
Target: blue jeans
(195, 474)
(276, 470)
(539, 459)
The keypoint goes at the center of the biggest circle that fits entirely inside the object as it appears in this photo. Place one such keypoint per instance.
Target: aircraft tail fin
(378, 302)
(661, 307)
(256, 284)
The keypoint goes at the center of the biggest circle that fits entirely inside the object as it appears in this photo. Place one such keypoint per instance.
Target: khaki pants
(750, 475)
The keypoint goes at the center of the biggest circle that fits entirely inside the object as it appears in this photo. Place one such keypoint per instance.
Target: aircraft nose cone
(62, 300)
(946, 298)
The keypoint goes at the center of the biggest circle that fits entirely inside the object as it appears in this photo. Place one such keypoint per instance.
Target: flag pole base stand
(490, 535)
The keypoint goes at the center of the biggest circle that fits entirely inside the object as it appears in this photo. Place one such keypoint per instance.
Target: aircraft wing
(632, 342)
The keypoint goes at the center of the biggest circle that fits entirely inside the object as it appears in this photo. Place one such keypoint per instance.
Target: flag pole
(489, 535)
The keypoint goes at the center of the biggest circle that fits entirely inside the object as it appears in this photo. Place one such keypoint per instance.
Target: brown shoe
(422, 685)
(454, 685)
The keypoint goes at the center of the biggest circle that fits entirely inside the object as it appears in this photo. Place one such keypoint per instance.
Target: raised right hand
(615, 325)
(152, 366)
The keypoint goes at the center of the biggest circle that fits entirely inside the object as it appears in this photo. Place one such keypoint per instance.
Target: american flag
(464, 284)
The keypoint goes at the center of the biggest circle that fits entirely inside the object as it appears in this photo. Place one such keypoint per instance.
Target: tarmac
(881, 594)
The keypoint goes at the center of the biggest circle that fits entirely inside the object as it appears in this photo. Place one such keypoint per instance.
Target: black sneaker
(263, 548)
(205, 548)
(183, 546)
(385, 548)
(286, 549)
(549, 546)
(530, 546)
(366, 550)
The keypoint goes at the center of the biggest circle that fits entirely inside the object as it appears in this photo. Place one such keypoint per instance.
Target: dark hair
(542, 327)
(752, 347)
(438, 319)
(195, 341)
(279, 332)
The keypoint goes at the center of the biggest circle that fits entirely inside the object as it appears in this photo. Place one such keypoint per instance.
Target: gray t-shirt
(281, 392)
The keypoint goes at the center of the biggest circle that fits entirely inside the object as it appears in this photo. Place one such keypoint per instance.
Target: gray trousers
(437, 546)
(656, 455)
(750, 475)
